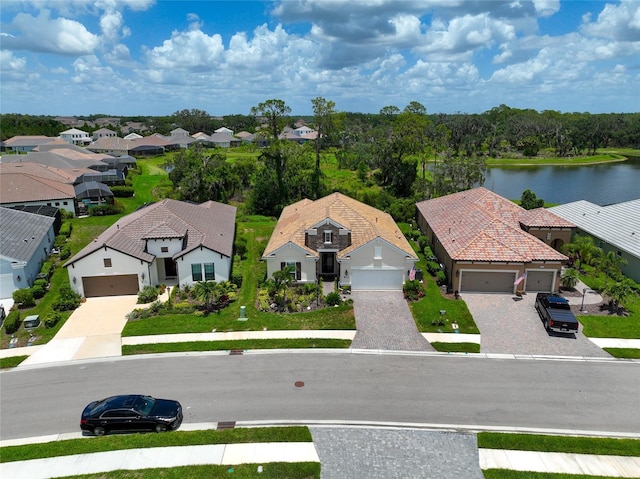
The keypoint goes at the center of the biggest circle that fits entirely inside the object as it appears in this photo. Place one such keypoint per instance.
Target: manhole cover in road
(299, 384)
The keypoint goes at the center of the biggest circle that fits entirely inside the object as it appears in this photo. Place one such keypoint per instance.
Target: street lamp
(584, 291)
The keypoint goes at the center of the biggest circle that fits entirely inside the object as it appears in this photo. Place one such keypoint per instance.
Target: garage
(377, 279)
(539, 281)
(487, 281)
(117, 285)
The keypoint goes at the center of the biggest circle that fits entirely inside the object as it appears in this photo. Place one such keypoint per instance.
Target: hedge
(12, 321)
(122, 191)
(65, 229)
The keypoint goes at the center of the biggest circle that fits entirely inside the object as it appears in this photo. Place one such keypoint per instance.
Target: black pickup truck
(555, 313)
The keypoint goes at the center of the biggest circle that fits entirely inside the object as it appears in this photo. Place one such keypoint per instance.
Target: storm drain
(226, 425)
(236, 352)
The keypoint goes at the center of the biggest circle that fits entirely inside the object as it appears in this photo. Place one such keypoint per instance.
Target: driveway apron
(511, 325)
(355, 453)
(92, 331)
(384, 321)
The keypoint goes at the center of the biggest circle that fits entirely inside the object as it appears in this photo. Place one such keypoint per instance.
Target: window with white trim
(196, 272)
(327, 236)
(209, 272)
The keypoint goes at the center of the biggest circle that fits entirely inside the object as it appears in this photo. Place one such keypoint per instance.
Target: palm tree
(569, 278)
(610, 263)
(283, 280)
(208, 292)
(583, 250)
(618, 292)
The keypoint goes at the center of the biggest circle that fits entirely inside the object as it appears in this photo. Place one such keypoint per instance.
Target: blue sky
(154, 57)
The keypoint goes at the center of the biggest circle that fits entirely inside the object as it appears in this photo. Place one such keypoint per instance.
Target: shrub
(241, 246)
(52, 319)
(37, 291)
(43, 283)
(65, 229)
(236, 271)
(68, 300)
(24, 298)
(65, 252)
(441, 278)
(103, 210)
(428, 253)
(413, 290)
(59, 241)
(423, 244)
(264, 300)
(12, 321)
(47, 269)
(310, 288)
(122, 191)
(333, 298)
(148, 295)
(433, 267)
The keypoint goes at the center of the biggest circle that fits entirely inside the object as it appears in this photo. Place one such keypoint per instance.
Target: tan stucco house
(339, 237)
(486, 242)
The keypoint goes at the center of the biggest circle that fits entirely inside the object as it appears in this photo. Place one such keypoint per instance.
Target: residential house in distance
(103, 133)
(25, 144)
(487, 243)
(76, 136)
(614, 228)
(300, 135)
(339, 237)
(170, 242)
(31, 184)
(27, 239)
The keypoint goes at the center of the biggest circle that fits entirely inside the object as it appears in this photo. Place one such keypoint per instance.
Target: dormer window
(327, 236)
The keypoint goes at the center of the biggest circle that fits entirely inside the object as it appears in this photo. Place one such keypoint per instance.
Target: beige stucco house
(486, 243)
(339, 237)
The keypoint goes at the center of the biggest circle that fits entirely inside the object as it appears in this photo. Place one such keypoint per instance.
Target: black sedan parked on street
(131, 413)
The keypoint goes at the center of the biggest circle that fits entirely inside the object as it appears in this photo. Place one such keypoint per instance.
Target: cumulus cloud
(193, 50)
(619, 22)
(10, 63)
(50, 35)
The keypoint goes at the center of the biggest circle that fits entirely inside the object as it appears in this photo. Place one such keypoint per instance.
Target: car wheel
(99, 431)
(161, 428)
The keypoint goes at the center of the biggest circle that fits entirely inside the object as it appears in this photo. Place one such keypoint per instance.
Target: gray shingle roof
(210, 224)
(618, 224)
(22, 233)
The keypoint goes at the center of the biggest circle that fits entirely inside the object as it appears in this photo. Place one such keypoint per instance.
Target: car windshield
(144, 405)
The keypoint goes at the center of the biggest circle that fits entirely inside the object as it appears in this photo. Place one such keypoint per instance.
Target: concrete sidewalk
(559, 462)
(161, 457)
(590, 296)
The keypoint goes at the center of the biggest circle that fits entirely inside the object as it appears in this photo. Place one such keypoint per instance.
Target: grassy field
(456, 347)
(612, 326)
(572, 161)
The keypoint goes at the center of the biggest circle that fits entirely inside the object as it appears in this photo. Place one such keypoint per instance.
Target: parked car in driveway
(555, 313)
(131, 413)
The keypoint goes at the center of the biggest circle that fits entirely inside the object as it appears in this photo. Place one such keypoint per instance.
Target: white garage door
(539, 281)
(487, 281)
(376, 279)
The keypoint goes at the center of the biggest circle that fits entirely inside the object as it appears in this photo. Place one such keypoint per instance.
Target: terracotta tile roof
(209, 224)
(365, 223)
(542, 217)
(479, 225)
(24, 188)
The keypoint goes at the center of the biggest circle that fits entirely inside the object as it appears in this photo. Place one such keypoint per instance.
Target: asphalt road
(443, 390)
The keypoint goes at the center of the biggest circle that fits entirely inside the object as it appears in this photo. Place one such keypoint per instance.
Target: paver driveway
(511, 325)
(384, 321)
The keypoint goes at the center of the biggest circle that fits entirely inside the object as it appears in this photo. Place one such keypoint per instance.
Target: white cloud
(192, 50)
(44, 34)
(9, 63)
(620, 22)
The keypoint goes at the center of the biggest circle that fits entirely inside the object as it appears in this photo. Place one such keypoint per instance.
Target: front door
(328, 263)
(170, 268)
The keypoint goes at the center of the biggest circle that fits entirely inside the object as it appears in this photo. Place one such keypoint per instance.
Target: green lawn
(272, 470)
(158, 348)
(508, 474)
(11, 362)
(627, 353)
(573, 161)
(139, 441)
(428, 308)
(611, 326)
(571, 444)
(456, 347)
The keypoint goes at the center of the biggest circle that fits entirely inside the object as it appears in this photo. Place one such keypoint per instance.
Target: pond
(601, 184)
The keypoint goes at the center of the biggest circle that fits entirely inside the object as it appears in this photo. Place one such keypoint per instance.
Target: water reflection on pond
(602, 184)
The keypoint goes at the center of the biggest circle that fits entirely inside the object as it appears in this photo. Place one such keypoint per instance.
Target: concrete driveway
(92, 331)
(511, 325)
